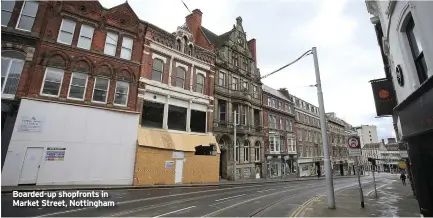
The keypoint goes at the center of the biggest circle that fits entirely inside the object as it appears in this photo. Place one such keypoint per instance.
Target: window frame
(80, 35)
(255, 93)
(85, 86)
(108, 90)
(222, 80)
(418, 59)
(10, 14)
(122, 47)
(115, 46)
(21, 13)
(154, 69)
(60, 31)
(225, 111)
(235, 84)
(57, 70)
(178, 78)
(247, 153)
(197, 83)
(127, 93)
(9, 96)
(257, 152)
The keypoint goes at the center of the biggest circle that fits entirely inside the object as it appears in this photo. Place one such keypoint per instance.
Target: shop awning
(163, 139)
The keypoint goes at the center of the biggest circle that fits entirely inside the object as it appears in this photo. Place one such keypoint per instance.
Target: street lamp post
(234, 146)
(327, 163)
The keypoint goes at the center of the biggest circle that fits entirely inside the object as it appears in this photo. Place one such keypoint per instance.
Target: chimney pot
(239, 21)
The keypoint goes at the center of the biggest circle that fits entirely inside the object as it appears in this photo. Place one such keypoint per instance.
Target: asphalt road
(269, 200)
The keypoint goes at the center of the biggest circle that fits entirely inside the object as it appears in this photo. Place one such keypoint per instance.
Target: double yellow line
(305, 205)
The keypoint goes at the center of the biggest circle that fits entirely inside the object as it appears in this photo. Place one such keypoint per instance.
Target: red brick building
(280, 138)
(72, 69)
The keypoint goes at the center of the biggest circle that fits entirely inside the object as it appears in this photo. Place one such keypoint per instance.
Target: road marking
(147, 199)
(174, 211)
(379, 187)
(266, 190)
(297, 210)
(251, 199)
(230, 197)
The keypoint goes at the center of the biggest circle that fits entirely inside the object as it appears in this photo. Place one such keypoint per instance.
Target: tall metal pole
(374, 181)
(234, 146)
(359, 183)
(327, 162)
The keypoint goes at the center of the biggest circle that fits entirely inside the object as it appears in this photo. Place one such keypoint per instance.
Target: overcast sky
(349, 55)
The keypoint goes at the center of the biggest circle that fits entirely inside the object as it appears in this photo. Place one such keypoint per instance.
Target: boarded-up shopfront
(165, 157)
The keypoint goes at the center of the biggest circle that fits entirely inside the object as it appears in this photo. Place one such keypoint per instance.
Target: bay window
(275, 143)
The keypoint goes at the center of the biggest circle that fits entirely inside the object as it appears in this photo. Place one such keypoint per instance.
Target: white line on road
(266, 190)
(230, 197)
(379, 187)
(174, 211)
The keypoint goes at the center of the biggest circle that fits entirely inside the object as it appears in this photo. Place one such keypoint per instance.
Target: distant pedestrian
(403, 178)
(318, 173)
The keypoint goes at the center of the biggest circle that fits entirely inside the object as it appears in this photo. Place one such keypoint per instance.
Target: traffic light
(372, 160)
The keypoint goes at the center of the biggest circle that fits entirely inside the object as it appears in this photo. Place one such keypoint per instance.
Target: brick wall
(49, 51)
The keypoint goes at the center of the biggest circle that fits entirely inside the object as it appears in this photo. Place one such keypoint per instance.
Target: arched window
(237, 149)
(180, 77)
(190, 51)
(185, 45)
(246, 151)
(157, 69)
(257, 151)
(178, 45)
(200, 83)
(11, 66)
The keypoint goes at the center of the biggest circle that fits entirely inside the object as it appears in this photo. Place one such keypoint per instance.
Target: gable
(123, 17)
(89, 9)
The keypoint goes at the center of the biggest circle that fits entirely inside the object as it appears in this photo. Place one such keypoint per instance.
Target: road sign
(354, 144)
(402, 164)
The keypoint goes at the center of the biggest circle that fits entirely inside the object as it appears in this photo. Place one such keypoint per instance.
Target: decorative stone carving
(104, 70)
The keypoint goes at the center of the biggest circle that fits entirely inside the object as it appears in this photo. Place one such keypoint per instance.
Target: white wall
(100, 145)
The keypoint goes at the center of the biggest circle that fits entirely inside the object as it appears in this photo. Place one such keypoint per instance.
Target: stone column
(191, 79)
(165, 116)
(252, 124)
(170, 70)
(188, 117)
(229, 111)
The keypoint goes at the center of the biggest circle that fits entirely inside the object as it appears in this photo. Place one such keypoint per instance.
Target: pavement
(269, 199)
(393, 200)
(10, 189)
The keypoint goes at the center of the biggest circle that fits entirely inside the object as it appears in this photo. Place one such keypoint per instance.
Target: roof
(218, 41)
(274, 92)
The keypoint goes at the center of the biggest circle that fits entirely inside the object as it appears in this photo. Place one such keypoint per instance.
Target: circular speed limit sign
(353, 142)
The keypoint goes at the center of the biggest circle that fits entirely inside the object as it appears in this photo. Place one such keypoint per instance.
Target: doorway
(178, 174)
(31, 166)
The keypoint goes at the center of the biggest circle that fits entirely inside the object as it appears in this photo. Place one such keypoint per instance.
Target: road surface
(269, 200)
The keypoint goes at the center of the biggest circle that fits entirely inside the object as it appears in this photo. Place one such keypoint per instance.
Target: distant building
(280, 139)
(367, 134)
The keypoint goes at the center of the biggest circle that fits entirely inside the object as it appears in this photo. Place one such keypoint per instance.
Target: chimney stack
(194, 20)
(252, 47)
